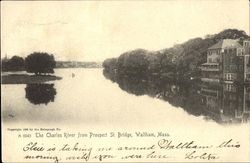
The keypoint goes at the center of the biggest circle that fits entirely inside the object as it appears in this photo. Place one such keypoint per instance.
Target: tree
(39, 62)
(133, 62)
(110, 64)
(16, 63)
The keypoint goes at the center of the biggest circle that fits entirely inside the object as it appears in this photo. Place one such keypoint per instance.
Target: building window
(229, 76)
(248, 77)
(229, 87)
(210, 60)
(240, 51)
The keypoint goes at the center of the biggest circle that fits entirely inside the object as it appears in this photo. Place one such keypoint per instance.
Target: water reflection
(227, 102)
(224, 103)
(40, 93)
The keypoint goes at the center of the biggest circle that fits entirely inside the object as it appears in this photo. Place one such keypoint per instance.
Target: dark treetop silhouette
(15, 63)
(39, 62)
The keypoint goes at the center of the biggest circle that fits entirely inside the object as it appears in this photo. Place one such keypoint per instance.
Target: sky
(96, 30)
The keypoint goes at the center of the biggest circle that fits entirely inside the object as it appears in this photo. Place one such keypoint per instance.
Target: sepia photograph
(125, 81)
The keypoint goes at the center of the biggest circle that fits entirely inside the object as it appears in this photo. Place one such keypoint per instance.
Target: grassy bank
(27, 79)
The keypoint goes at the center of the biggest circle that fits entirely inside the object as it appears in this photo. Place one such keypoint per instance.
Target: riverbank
(27, 79)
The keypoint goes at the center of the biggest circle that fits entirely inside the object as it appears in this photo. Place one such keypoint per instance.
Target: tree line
(180, 62)
(37, 62)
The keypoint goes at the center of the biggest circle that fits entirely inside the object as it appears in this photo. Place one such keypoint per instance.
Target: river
(92, 102)
(91, 97)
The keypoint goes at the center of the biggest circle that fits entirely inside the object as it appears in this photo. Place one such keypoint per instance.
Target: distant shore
(27, 79)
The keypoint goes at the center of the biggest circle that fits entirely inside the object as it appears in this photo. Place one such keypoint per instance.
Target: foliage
(16, 63)
(39, 62)
(133, 62)
(179, 62)
(110, 64)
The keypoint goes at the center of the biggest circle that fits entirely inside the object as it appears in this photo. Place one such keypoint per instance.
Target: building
(227, 62)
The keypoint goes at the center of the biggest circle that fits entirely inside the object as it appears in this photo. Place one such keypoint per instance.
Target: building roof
(226, 43)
